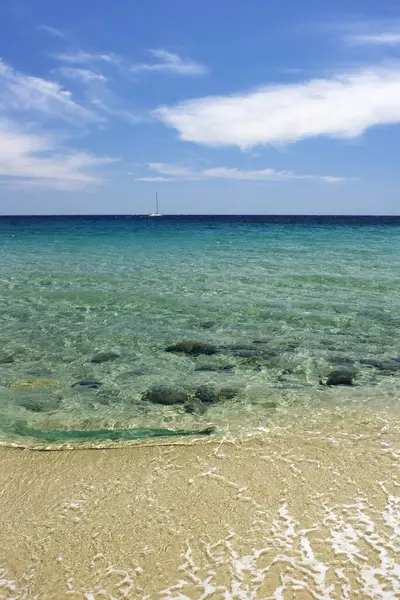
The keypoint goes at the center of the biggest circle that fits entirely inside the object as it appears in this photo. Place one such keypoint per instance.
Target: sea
(239, 377)
(89, 306)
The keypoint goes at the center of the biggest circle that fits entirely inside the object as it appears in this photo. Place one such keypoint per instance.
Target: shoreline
(292, 509)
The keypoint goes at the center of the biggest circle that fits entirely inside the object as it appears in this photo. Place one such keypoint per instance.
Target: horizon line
(263, 215)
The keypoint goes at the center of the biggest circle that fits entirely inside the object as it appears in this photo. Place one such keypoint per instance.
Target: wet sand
(291, 513)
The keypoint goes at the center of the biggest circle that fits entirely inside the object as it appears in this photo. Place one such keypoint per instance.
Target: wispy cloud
(84, 58)
(168, 62)
(170, 172)
(34, 160)
(375, 39)
(154, 179)
(53, 31)
(20, 92)
(83, 75)
(343, 106)
(98, 89)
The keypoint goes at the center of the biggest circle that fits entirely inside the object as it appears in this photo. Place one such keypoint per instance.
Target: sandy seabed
(290, 514)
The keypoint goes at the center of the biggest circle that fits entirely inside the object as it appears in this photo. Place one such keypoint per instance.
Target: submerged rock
(207, 324)
(192, 348)
(213, 367)
(341, 377)
(392, 364)
(91, 384)
(166, 395)
(104, 357)
(40, 404)
(194, 406)
(6, 359)
(371, 362)
(210, 395)
(227, 393)
(206, 394)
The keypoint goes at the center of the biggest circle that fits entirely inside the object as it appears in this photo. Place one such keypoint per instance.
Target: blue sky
(222, 106)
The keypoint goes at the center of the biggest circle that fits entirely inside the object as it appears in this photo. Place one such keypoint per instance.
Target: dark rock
(91, 384)
(260, 341)
(167, 395)
(192, 348)
(341, 377)
(389, 365)
(210, 395)
(194, 406)
(215, 368)
(207, 324)
(104, 357)
(392, 364)
(6, 359)
(206, 394)
(371, 362)
(227, 393)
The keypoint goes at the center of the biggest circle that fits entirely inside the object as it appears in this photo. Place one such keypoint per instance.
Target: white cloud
(20, 92)
(168, 172)
(34, 160)
(344, 106)
(83, 75)
(168, 62)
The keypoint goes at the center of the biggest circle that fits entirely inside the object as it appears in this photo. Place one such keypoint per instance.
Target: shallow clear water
(283, 302)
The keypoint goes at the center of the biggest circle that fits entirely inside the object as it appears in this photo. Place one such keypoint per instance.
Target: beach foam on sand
(291, 513)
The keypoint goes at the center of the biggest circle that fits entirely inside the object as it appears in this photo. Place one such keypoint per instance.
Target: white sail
(157, 213)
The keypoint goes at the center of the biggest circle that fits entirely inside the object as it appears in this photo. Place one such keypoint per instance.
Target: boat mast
(157, 203)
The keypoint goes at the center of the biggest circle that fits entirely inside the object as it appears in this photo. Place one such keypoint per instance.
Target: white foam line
(351, 528)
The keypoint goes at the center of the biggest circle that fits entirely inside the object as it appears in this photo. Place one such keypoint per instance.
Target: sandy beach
(287, 514)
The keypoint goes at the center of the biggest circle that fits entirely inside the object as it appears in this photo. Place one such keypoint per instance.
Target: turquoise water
(88, 307)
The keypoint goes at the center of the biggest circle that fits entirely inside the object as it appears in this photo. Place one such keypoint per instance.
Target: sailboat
(156, 214)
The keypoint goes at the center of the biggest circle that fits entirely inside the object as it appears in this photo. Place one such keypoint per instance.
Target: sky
(220, 106)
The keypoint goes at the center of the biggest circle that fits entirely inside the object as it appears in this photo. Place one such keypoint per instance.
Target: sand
(285, 514)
